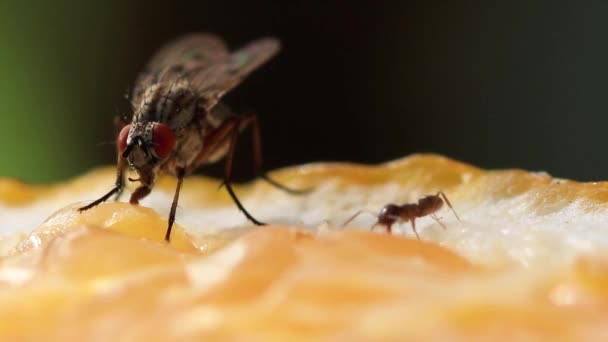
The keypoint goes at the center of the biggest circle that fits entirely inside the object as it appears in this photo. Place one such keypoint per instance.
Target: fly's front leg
(147, 182)
(180, 179)
(120, 169)
(119, 124)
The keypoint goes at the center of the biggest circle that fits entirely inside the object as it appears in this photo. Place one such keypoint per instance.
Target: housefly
(178, 122)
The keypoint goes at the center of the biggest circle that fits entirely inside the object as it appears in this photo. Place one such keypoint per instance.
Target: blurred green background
(61, 62)
(497, 84)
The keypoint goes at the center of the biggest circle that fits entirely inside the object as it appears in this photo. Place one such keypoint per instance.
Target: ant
(392, 213)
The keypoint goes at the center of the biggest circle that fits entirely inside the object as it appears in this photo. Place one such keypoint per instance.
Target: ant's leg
(434, 217)
(180, 179)
(389, 229)
(414, 228)
(120, 168)
(447, 201)
(257, 157)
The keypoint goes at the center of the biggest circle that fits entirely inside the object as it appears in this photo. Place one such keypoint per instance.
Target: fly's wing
(189, 55)
(212, 83)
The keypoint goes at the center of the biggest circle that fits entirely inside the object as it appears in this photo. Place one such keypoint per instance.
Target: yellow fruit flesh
(107, 273)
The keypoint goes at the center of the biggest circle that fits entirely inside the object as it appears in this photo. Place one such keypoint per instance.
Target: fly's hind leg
(257, 156)
(240, 124)
(226, 133)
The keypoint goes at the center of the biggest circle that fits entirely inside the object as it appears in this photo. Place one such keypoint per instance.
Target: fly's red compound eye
(121, 141)
(163, 140)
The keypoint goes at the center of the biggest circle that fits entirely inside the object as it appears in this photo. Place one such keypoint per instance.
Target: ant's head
(388, 215)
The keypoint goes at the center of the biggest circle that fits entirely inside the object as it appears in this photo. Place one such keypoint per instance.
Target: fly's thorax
(189, 143)
(218, 115)
(190, 139)
(171, 102)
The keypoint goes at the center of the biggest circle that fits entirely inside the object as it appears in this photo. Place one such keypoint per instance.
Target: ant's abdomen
(429, 204)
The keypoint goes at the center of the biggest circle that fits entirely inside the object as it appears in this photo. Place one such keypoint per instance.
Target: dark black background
(498, 84)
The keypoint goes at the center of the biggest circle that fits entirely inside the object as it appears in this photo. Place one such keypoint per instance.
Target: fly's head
(145, 145)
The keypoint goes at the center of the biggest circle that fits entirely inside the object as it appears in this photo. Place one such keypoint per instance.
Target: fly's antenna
(357, 214)
(447, 201)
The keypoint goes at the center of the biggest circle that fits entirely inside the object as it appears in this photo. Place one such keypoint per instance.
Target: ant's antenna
(357, 214)
(447, 201)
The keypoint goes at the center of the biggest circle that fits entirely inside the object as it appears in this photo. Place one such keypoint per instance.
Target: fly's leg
(120, 169)
(119, 193)
(240, 123)
(180, 179)
(226, 133)
(119, 124)
(257, 156)
(147, 182)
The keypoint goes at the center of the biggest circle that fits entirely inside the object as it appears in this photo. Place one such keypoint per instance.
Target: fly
(179, 123)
